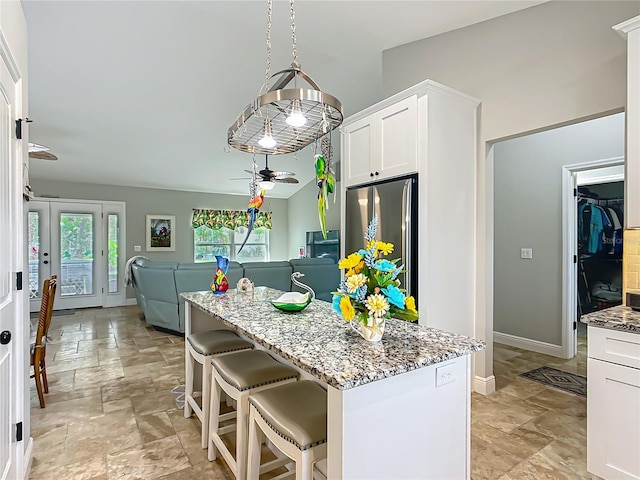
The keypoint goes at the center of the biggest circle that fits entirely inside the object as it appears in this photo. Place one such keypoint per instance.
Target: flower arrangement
(370, 291)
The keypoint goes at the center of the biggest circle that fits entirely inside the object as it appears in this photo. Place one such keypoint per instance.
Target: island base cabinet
(410, 426)
(613, 427)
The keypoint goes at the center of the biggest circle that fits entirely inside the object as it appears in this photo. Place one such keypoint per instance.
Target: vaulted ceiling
(141, 93)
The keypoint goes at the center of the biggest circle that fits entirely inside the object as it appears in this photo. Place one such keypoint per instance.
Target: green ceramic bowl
(287, 306)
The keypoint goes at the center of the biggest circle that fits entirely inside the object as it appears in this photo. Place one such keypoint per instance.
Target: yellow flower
(377, 305)
(355, 281)
(384, 248)
(355, 270)
(348, 312)
(410, 304)
(371, 243)
(351, 261)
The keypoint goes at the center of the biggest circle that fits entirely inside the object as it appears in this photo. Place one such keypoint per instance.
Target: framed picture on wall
(160, 235)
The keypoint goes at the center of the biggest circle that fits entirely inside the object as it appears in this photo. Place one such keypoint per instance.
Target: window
(207, 243)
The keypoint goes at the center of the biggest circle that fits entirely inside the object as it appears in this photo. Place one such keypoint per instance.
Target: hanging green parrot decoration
(326, 181)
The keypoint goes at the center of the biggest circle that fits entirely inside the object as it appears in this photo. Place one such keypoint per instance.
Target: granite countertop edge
(619, 318)
(473, 346)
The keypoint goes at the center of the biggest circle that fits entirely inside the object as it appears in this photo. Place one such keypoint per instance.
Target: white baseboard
(528, 344)
(130, 301)
(28, 458)
(484, 385)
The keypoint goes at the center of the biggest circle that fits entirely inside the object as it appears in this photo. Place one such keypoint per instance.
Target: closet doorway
(594, 223)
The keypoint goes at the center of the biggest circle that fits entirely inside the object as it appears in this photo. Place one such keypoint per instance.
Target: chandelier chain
(268, 69)
(294, 47)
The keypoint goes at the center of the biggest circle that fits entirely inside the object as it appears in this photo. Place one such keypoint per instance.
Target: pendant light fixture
(284, 120)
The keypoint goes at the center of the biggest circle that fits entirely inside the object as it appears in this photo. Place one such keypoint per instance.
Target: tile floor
(110, 414)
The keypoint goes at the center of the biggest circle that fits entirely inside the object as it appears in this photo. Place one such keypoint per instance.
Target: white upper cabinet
(383, 144)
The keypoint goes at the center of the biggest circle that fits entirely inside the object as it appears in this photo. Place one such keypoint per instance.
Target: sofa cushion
(321, 274)
(269, 274)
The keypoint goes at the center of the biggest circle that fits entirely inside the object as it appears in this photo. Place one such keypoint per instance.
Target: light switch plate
(137, 248)
(526, 253)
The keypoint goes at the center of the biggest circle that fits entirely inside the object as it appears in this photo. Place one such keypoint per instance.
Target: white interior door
(11, 259)
(38, 251)
(77, 254)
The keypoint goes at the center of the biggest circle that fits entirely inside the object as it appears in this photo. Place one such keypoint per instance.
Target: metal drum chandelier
(285, 117)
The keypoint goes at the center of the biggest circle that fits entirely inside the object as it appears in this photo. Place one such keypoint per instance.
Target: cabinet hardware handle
(377, 173)
(371, 174)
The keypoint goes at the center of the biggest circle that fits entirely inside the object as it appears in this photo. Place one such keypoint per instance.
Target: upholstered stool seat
(199, 347)
(294, 418)
(240, 375)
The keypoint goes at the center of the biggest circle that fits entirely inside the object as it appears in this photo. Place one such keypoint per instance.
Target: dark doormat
(552, 377)
(55, 313)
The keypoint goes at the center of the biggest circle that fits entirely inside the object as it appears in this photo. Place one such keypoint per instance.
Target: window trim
(232, 245)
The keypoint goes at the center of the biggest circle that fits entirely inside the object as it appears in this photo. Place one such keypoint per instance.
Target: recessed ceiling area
(142, 93)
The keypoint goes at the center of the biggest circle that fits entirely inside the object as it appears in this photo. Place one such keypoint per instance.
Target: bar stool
(294, 419)
(200, 347)
(240, 375)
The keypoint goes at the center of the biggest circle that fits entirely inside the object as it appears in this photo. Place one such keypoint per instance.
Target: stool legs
(188, 387)
(255, 446)
(215, 444)
(190, 405)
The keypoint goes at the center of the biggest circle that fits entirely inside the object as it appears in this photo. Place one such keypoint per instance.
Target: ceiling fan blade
(281, 174)
(241, 178)
(42, 155)
(284, 180)
(250, 172)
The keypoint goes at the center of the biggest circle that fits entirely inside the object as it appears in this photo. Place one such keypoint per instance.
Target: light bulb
(296, 117)
(267, 141)
(266, 184)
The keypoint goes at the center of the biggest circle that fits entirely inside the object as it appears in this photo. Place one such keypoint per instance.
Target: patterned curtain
(228, 218)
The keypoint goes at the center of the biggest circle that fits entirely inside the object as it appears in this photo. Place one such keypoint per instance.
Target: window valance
(228, 218)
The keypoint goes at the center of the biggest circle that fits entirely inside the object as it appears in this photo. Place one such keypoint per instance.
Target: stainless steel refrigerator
(395, 202)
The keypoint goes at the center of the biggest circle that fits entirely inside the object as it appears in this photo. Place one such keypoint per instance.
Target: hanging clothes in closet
(599, 228)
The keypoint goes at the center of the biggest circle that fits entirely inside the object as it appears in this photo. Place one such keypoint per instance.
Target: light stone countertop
(615, 318)
(322, 343)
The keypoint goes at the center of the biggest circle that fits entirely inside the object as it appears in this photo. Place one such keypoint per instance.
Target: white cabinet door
(357, 151)
(613, 427)
(382, 145)
(398, 135)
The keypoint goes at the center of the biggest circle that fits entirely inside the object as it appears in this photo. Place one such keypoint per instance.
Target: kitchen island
(396, 409)
(613, 391)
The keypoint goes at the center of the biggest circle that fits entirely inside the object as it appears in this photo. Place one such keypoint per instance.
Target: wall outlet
(137, 248)
(526, 253)
(445, 374)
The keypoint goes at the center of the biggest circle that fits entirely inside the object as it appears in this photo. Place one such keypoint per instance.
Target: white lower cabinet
(613, 405)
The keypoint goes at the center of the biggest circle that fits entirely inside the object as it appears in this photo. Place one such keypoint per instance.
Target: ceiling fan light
(296, 118)
(267, 141)
(266, 184)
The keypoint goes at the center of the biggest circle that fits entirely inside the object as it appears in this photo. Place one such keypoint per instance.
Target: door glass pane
(76, 254)
(34, 255)
(112, 250)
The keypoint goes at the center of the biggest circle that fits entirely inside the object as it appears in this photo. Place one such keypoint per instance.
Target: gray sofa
(158, 284)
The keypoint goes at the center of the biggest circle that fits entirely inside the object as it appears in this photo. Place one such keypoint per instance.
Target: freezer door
(391, 203)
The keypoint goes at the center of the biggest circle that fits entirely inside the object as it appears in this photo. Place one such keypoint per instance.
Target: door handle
(5, 337)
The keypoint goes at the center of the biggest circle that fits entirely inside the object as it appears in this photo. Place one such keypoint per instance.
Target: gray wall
(540, 66)
(528, 213)
(546, 65)
(141, 201)
(303, 216)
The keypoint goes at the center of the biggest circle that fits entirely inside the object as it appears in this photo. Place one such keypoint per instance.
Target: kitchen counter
(400, 408)
(320, 342)
(615, 318)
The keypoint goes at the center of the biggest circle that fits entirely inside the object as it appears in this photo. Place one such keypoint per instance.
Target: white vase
(372, 331)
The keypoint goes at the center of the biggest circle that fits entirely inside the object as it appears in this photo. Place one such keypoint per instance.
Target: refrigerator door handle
(406, 239)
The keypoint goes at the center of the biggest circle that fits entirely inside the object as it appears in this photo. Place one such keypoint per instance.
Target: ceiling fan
(40, 152)
(268, 178)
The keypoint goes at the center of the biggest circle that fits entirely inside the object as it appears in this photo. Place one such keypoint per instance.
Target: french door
(82, 243)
